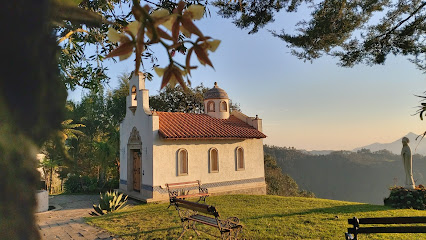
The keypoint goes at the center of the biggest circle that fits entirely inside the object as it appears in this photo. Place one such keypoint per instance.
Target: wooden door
(136, 171)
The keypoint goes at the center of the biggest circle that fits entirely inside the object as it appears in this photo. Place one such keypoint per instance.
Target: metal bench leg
(182, 233)
(185, 226)
(237, 231)
(225, 235)
(233, 234)
(195, 229)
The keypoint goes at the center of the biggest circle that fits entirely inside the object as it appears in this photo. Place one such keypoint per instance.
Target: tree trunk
(50, 180)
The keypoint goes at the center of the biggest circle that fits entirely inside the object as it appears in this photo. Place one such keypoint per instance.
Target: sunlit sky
(312, 106)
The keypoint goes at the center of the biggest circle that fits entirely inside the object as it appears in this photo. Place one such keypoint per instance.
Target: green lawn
(263, 217)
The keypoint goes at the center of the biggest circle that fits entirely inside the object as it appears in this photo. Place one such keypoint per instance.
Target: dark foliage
(79, 66)
(179, 100)
(255, 14)
(96, 153)
(407, 198)
(86, 184)
(280, 184)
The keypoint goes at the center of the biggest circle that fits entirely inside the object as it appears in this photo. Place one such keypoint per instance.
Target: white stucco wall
(165, 164)
(141, 119)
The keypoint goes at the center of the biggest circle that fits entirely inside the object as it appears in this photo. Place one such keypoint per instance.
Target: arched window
(214, 160)
(239, 152)
(133, 99)
(182, 162)
(210, 106)
(223, 106)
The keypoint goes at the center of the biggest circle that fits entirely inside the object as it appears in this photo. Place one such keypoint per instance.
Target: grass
(263, 217)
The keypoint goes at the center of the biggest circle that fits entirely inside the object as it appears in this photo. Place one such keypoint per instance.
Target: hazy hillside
(344, 175)
(395, 147)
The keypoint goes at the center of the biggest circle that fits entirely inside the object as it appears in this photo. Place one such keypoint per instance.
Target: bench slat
(192, 195)
(204, 219)
(184, 187)
(207, 209)
(389, 220)
(407, 229)
(183, 183)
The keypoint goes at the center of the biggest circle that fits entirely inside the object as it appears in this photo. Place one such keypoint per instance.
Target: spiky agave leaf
(109, 201)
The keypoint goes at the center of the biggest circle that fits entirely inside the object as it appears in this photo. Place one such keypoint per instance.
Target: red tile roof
(177, 125)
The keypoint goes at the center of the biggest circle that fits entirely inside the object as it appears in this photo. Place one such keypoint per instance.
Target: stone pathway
(66, 221)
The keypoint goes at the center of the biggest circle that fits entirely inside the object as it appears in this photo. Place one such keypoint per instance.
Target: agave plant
(109, 202)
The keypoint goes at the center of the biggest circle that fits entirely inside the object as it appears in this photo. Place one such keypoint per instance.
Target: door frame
(133, 144)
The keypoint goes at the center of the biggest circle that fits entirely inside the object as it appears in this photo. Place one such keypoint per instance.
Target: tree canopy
(177, 99)
(353, 31)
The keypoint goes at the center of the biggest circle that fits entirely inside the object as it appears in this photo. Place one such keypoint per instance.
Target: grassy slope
(263, 217)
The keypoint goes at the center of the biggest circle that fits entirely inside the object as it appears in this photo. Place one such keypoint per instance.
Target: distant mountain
(350, 176)
(318, 152)
(396, 146)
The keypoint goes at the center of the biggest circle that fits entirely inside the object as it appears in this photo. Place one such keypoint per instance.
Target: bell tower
(216, 103)
(138, 95)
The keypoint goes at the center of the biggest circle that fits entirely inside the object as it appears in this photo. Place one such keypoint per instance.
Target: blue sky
(313, 106)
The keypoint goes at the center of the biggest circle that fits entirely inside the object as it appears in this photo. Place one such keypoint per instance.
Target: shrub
(73, 185)
(86, 184)
(279, 184)
(109, 202)
(89, 184)
(407, 198)
(111, 184)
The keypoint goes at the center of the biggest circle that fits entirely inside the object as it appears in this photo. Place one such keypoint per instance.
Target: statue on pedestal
(408, 163)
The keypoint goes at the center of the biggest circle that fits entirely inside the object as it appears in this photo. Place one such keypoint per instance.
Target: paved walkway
(66, 221)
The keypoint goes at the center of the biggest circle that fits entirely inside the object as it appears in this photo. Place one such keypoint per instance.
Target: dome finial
(215, 93)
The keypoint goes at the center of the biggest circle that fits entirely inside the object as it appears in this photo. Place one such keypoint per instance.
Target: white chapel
(221, 149)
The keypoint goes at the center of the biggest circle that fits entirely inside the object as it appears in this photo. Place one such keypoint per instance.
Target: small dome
(216, 93)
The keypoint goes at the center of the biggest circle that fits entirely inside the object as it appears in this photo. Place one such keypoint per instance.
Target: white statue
(408, 163)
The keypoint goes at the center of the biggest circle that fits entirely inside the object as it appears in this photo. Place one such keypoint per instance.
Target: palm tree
(56, 150)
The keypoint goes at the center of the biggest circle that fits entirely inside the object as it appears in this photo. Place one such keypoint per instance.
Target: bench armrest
(230, 223)
(233, 220)
(203, 190)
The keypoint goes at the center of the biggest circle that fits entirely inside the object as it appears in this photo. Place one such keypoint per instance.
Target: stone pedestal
(42, 197)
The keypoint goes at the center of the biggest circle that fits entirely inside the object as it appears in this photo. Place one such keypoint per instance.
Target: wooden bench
(191, 213)
(357, 229)
(187, 190)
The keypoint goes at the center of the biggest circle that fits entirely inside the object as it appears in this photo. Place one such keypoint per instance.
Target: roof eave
(209, 138)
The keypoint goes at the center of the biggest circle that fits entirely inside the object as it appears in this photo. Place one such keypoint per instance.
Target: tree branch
(155, 4)
(403, 21)
(68, 35)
